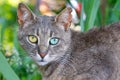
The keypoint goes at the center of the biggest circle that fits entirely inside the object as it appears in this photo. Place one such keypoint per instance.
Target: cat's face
(44, 38)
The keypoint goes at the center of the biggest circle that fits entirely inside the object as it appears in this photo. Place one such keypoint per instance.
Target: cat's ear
(24, 14)
(64, 18)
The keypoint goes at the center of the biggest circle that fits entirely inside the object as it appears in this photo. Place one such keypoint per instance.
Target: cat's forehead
(44, 24)
(46, 18)
(45, 21)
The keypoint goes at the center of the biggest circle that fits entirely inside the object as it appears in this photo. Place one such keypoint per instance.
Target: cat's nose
(42, 55)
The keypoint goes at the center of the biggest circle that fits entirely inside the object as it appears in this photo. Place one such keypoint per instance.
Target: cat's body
(63, 54)
(94, 55)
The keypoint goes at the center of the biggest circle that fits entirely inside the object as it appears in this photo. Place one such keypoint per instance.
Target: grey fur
(94, 55)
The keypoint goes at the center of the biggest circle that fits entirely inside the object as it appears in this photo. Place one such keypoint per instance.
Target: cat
(65, 54)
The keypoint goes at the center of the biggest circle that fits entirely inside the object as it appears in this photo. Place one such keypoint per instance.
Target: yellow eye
(32, 38)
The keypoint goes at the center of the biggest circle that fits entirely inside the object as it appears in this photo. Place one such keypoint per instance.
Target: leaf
(81, 18)
(115, 12)
(6, 70)
(91, 14)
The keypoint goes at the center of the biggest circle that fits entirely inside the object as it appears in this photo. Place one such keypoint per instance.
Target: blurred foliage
(9, 45)
(98, 13)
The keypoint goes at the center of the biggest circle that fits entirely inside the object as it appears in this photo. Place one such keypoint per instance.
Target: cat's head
(46, 39)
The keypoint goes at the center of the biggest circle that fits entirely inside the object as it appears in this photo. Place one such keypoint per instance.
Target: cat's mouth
(42, 62)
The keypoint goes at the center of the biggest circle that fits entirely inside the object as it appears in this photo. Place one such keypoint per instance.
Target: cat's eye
(53, 41)
(32, 39)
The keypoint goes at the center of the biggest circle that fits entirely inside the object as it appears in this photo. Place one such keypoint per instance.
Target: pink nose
(42, 55)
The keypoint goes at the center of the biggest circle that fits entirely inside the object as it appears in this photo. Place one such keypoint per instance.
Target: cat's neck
(47, 70)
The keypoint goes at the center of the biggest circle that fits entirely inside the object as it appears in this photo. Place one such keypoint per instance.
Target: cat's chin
(43, 63)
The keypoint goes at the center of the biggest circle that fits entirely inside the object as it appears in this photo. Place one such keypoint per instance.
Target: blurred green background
(14, 63)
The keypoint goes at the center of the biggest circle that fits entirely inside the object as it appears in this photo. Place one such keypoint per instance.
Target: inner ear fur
(64, 18)
(24, 14)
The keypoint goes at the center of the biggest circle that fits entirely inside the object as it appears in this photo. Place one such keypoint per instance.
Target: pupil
(55, 41)
(32, 37)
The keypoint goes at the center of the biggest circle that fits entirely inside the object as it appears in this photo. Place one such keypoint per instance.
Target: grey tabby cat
(64, 54)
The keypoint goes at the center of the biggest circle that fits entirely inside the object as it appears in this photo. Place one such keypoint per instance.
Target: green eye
(53, 41)
(32, 39)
